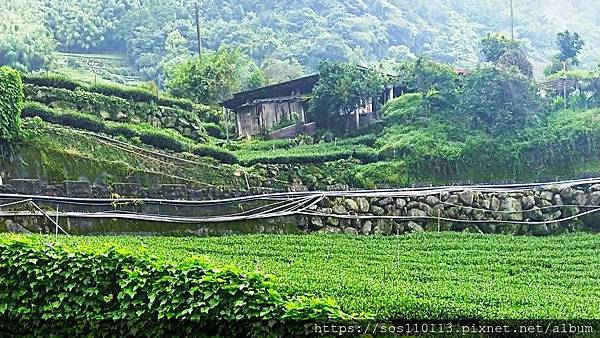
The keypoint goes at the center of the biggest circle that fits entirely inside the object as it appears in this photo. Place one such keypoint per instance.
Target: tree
(85, 25)
(25, 43)
(176, 51)
(569, 44)
(342, 88)
(515, 57)
(494, 45)
(212, 78)
(277, 71)
(500, 100)
(427, 77)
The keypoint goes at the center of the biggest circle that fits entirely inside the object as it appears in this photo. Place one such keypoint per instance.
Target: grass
(66, 154)
(422, 276)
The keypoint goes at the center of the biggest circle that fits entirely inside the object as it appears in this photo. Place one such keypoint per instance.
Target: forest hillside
(294, 35)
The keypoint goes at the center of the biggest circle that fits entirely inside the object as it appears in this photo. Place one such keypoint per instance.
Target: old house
(280, 110)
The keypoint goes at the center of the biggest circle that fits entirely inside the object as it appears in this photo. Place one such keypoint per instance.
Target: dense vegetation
(11, 104)
(95, 288)
(290, 35)
(423, 276)
(61, 153)
(25, 42)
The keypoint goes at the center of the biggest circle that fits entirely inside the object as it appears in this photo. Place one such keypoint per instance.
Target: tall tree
(342, 88)
(500, 100)
(570, 45)
(213, 77)
(277, 71)
(494, 45)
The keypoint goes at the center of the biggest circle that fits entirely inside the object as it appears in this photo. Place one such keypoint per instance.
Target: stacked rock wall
(537, 211)
(540, 211)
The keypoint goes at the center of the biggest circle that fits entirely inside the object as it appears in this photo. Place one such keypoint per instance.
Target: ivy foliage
(118, 292)
(11, 104)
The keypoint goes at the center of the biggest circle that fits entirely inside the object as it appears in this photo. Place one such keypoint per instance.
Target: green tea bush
(214, 130)
(11, 104)
(33, 109)
(216, 153)
(124, 92)
(118, 292)
(64, 117)
(50, 80)
(53, 80)
(98, 104)
(120, 129)
(161, 139)
(441, 276)
(81, 121)
(316, 153)
(140, 95)
(175, 103)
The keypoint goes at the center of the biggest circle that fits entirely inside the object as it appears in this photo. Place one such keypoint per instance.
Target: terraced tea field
(422, 276)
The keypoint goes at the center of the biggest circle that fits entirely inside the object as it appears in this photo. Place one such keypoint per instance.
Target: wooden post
(565, 83)
(226, 123)
(357, 117)
(198, 31)
(512, 21)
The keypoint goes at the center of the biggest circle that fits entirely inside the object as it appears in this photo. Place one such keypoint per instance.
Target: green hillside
(294, 35)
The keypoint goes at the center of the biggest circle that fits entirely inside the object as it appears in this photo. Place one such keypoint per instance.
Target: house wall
(247, 121)
(253, 120)
(256, 119)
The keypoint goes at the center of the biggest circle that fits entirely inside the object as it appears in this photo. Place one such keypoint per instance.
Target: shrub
(33, 109)
(65, 118)
(120, 129)
(156, 137)
(404, 109)
(500, 101)
(216, 153)
(161, 139)
(214, 130)
(317, 153)
(176, 103)
(124, 92)
(50, 80)
(11, 104)
(97, 104)
(81, 121)
(123, 292)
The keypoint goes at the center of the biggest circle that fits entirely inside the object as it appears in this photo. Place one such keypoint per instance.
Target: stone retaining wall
(116, 109)
(85, 189)
(504, 212)
(540, 211)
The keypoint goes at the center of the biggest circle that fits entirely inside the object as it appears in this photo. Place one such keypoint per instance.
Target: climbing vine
(11, 104)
